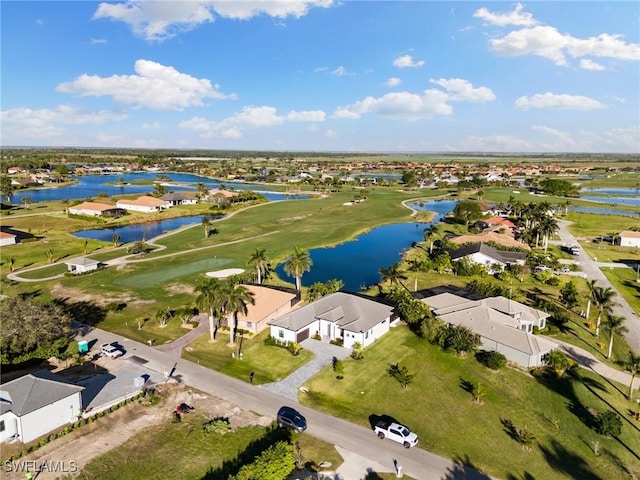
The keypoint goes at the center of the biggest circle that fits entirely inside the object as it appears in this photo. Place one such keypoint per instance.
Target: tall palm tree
(632, 365)
(296, 264)
(208, 299)
(260, 261)
(603, 301)
(236, 300)
(430, 233)
(548, 226)
(591, 285)
(116, 240)
(392, 275)
(206, 225)
(614, 324)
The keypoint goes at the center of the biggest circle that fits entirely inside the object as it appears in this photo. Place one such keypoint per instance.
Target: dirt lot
(75, 450)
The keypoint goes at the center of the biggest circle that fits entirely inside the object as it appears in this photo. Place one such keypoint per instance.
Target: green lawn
(437, 406)
(625, 281)
(269, 363)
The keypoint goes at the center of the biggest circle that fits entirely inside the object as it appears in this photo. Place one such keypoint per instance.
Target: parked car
(290, 418)
(541, 268)
(561, 270)
(396, 432)
(111, 350)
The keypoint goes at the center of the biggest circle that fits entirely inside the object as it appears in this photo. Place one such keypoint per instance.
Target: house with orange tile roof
(8, 239)
(629, 239)
(269, 303)
(144, 204)
(500, 239)
(96, 209)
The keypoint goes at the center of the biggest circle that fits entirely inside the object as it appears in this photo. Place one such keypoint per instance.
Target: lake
(357, 263)
(635, 201)
(612, 191)
(138, 232)
(90, 186)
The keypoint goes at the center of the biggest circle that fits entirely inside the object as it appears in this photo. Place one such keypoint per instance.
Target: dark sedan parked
(291, 418)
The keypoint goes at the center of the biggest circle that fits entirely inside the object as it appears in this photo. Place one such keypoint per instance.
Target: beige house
(270, 303)
(7, 239)
(82, 265)
(144, 204)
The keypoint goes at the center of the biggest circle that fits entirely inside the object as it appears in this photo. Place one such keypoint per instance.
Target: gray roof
(177, 196)
(496, 326)
(30, 393)
(502, 256)
(513, 308)
(82, 261)
(348, 311)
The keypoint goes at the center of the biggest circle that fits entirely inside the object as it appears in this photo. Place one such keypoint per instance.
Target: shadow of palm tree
(464, 469)
(563, 461)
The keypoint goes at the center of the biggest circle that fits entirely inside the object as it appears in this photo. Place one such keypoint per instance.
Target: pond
(92, 185)
(604, 211)
(635, 201)
(357, 263)
(612, 191)
(138, 232)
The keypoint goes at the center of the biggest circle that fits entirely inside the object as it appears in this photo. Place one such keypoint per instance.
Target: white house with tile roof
(144, 204)
(340, 315)
(629, 239)
(270, 303)
(31, 406)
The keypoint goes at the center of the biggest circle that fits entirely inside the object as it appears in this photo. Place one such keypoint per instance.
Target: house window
(1, 425)
(250, 324)
(366, 334)
(281, 333)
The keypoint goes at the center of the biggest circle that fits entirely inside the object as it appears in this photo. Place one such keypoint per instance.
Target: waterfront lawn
(438, 407)
(269, 363)
(588, 226)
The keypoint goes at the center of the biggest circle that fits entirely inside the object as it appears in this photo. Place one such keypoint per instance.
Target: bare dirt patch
(114, 429)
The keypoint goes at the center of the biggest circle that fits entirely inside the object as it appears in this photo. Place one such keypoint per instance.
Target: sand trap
(224, 273)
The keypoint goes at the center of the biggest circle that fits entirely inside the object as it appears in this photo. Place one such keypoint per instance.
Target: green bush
(608, 423)
(491, 359)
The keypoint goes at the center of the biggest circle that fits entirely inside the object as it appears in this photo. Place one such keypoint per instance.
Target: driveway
(323, 355)
(592, 270)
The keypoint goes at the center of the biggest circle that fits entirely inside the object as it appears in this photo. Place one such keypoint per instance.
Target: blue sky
(322, 75)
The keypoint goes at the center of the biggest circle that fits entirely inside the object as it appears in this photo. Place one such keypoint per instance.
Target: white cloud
(411, 106)
(156, 86)
(98, 41)
(306, 116)
(161, 20)
(249, 118)
(516, 17)
(552, 101)
(340, 71)
(48, 124)
(462, 90)
(406, 61)
(587, 64)
(393, 82)
(151, 125)
(493, 143)
(547, 42)
(562, 137)
(330, 134)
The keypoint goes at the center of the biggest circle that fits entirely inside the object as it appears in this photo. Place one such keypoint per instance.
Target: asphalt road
(593, 272)
(416, 462)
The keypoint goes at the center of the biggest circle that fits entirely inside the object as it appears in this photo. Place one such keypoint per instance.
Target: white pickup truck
(110, 350)
(396, 432)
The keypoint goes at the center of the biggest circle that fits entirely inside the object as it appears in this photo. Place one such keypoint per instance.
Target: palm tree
(260, 261)
(614, 324)
(603, 301)
(116, 240)
(202, 190)
(296, 264)
(429, 233)
(392, 275)
(236, 300)
(207, 299)
(547, 227)
(591, 285)
(27, 201)
(632, 365)
(206, 224)
(163, 315)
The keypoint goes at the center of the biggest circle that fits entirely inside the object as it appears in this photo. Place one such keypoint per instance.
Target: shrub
(356, 353)
(219, 425)
(337, 341)
(270, 341)
(608, 423)
(492, 360)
